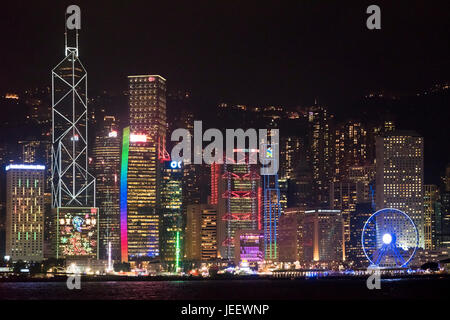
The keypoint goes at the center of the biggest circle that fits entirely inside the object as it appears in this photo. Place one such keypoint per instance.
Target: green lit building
(171, 214)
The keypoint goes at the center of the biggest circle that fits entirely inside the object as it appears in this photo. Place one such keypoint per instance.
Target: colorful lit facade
(77, 234)
(249, 247)
(124, 195)
(25, 212)
(146, 146)
(239, 203)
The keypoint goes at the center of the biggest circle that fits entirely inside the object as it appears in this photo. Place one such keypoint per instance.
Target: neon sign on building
(124, 195)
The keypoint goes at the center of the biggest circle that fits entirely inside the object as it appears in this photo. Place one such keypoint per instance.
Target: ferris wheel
(389, 238)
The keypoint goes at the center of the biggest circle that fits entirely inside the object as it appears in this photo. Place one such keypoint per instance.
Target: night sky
(250, 52)
(279, 52)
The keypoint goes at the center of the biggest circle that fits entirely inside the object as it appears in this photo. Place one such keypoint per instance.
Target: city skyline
(150, 169)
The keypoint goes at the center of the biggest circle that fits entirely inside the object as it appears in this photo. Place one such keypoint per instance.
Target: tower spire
(70, 39)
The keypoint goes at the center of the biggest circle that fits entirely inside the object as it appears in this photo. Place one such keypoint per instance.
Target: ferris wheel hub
(387, 238)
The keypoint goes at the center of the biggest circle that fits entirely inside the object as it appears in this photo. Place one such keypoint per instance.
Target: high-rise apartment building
(399, 176)
(144, 145)
(25, 212)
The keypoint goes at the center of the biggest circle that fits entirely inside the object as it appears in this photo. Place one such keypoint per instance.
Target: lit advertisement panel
(77, 232)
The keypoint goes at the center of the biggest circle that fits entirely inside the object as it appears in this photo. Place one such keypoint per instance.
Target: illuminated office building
(343, 196)
(73, 187)
(147, 102)
(431, 197)
(295, 174)
(364, 178)
(201, 232)
(444, 227)
(272, 213)
(72, 184)
(25, 212)
(143, 145)
(193, 232)
(346, 194)
(399, 176)
(323, 236)
(209, 232)
(106, 163)
(443, 218)
(290, 235)
(171, 215)
(240, 203)
(354, 249)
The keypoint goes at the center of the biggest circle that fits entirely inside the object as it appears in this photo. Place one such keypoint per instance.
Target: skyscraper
(72, 184)
(272, 213)
(201, 232)
(443, 224)
(193, 232)
(344, 196)
(25, 212)
(322, 150)
(171, 236)
(73, 187)
(290, 233)
(106, 163)
(323, 236)
(358, 218)
(431, 196)
(239, 204)
(144, 147)
(399, 175)
(350, 148)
